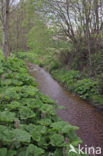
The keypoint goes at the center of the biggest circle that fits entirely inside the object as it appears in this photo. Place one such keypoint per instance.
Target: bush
(97, 63)
(71, 80)
(85, 88)
(97, 99)
(100, 84)
(66, 77)
(54, 65)
(64, 56)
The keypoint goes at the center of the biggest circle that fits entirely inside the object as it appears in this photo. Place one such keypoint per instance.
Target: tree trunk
(6, 51)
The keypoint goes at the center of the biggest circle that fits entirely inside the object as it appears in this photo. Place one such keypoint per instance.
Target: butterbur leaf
(63, 127)
(7, 116)
(28, 128)
(3, 151)
(29, 90)
(48, 109)
(57, 140)
(37, 132)
(45, 122)
(46, 99)
(11, 94)
(16, 82)
(36, 135)
(34, 103)
(22, 136)
(26, 113)
(14, 105)
(43, 142)
(6, 135)
(33, 150)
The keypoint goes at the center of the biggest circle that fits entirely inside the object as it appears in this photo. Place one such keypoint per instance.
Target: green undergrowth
(86, 88)
(73, 80)
(47, 60)
(29, 125)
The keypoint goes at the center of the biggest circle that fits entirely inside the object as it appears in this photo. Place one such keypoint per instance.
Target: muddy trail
(77, 112)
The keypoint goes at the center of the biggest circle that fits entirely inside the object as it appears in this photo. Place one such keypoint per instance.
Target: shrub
(54, 65)
(97, 99)
(100, 84)
(67, 77)
(64, 55)
(97, 63)
(71, 80)
(85, 88)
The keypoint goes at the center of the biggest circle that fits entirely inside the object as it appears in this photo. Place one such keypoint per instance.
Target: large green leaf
(57, 140)
(26, 113)
(7, 116)
(48, 109)
(63, 127)
(33, 150)
(45, 122)
(14, 105)
(29, 91)
(11, 94)
(22, 136)
(34, 103)
(37, 132)
(6, 135)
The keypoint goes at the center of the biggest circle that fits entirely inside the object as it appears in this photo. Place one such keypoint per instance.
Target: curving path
(77, 112)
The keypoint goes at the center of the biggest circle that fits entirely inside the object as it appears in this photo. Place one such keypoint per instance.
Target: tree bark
(6, 51)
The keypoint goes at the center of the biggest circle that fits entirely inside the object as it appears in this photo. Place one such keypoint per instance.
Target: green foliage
(30, 56)
(67, 77)
(57, 140)
(7, 116)
(97, 99)
(21, 136)
(72, 80)
(65, 54)
(39, 37)
(3, 151)
(32, 150)
(54, 65)
(97, 63)
(85, 88)
(28, 121)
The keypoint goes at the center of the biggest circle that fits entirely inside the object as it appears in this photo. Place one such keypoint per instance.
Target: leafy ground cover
(73, 80)
(28, 122)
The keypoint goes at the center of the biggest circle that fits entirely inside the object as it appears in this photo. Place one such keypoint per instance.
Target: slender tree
(4, 16)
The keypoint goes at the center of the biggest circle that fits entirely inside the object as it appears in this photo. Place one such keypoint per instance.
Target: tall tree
(4, 16)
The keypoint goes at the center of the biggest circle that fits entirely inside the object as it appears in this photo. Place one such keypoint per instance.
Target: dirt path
(77, 112)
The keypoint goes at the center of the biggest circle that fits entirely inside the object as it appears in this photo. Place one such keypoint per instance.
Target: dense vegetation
(65, 34)
(28, 121)
(88, 88)
(66, 38)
